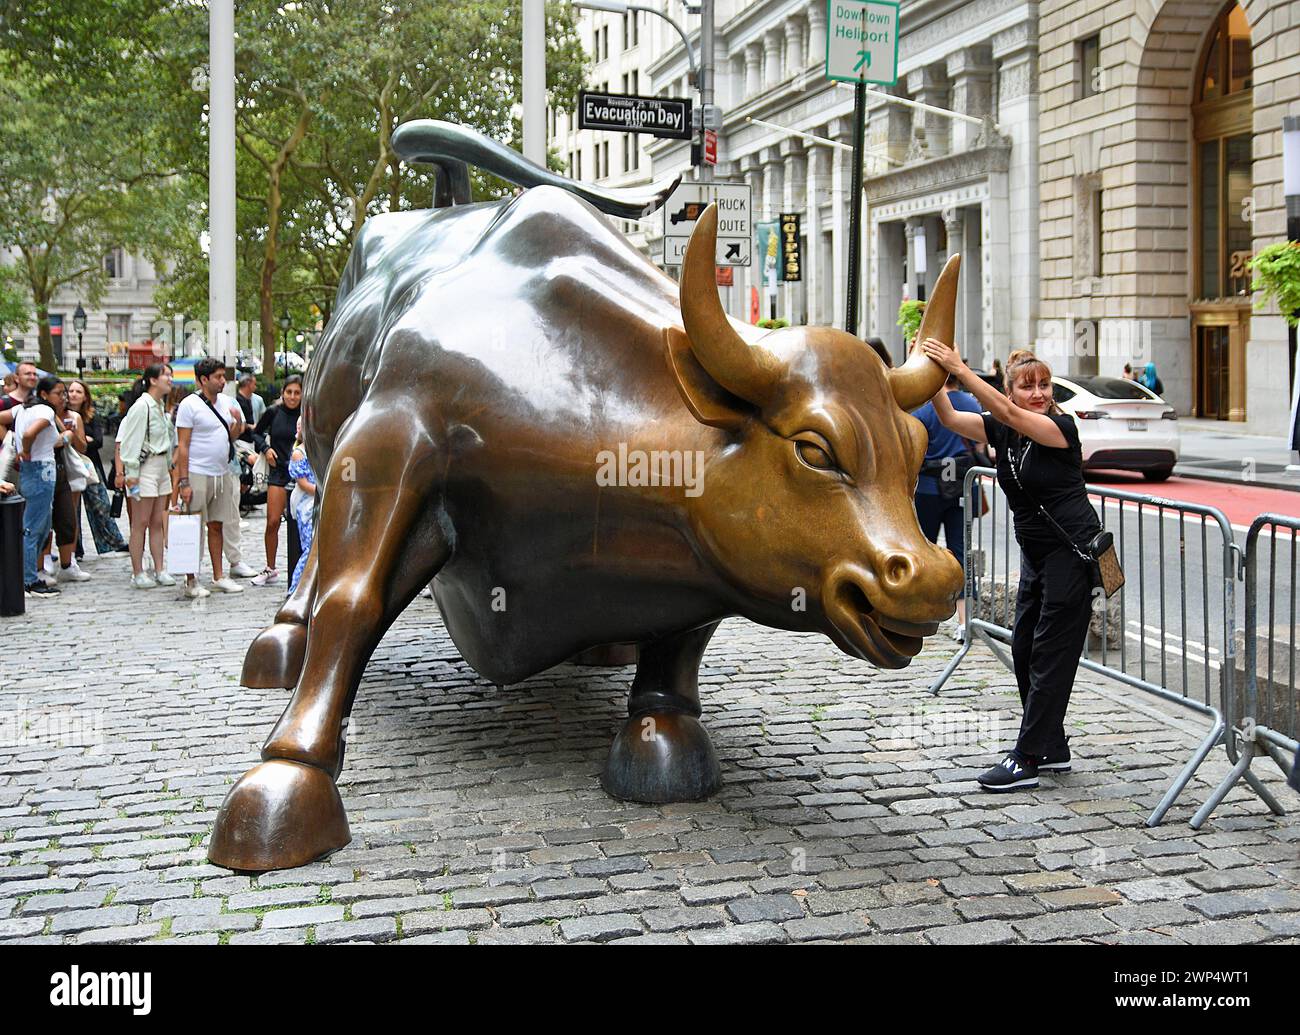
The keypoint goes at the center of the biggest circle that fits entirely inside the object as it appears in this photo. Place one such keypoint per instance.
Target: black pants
(1051, 627)
(935, 512)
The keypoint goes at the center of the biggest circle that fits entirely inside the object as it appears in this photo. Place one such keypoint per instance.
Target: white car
(1122, 425)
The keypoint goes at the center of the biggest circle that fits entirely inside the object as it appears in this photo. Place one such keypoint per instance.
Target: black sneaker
(1013, 773)
(40, 589)
(1056, 761)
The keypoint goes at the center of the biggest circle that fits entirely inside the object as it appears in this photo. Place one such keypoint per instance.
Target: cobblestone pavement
(848, 812)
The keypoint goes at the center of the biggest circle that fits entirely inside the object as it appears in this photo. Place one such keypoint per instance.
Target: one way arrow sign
(733, 252)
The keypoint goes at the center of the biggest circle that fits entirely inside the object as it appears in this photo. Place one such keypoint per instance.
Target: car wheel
(1162, 475)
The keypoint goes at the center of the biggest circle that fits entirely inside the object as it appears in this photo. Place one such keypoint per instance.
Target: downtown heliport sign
(862, 41)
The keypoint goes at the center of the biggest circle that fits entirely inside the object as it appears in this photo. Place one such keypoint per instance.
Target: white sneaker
(50, 566)
(267, 576)
(242, 571)
(47, 578)
(195, 592)
(165, 579)
(227, 585)
(73, 573)
(144, 581)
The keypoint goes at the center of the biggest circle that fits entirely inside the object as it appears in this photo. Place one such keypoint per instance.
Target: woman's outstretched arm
(1037, 426)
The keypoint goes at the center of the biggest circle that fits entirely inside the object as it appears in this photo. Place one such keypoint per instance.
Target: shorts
(216, 498)
(155, 476)
(279, 477)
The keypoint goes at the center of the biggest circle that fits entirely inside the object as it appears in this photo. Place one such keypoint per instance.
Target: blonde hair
(1022, 362)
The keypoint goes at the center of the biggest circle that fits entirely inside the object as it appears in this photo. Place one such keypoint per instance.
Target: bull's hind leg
(379, 542)
(662, 753)
(274, 658)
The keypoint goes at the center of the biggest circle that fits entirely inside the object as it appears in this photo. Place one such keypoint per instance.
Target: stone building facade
(933, 185)
(125, 316)
(1160, 176)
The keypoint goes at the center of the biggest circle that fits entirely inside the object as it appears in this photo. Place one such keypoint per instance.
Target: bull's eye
(814, 456)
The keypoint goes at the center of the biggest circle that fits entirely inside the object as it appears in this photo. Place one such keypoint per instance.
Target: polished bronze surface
(512, 402)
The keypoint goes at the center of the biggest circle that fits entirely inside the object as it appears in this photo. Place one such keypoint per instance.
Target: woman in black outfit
(1040, 462)
(275, 434)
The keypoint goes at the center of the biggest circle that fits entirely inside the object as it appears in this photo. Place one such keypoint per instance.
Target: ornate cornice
(938, 173)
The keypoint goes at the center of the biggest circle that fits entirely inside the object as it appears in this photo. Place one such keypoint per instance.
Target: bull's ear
(707, 400)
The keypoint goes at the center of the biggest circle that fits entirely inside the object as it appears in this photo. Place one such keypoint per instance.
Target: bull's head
(809, 507)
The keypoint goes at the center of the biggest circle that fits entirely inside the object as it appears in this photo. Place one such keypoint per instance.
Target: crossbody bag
(1098, 553)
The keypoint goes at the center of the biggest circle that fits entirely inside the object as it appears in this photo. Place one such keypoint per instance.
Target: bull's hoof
(275, 657)
(280, 814)
(662, 757)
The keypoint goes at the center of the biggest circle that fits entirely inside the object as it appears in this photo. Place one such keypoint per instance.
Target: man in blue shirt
(938, 489)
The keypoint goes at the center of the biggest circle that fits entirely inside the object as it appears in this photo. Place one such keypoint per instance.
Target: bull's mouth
(864, 632)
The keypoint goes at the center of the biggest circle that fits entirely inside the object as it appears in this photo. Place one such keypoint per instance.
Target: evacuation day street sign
(668, 117)
(862, 41)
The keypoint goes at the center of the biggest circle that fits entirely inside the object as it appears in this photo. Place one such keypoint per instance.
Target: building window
(604, 151)
(636, 81)
(1222, 126)
(113, 264)
(1087, 56)
(604, 43)
(1098, 236)
(119, 327)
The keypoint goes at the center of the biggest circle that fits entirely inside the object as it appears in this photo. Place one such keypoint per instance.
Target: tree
(15, 309)
(80, 166)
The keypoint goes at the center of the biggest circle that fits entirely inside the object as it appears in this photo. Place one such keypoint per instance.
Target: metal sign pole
(855, 210)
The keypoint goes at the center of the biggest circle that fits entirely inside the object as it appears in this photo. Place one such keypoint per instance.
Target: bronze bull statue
(512, 402)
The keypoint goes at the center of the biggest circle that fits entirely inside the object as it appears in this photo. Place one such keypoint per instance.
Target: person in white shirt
(207, 424)
(38, 430)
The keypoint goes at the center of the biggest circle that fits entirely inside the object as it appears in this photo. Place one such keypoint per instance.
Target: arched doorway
(1222, 179)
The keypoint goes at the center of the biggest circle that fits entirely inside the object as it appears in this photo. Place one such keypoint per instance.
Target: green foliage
(15, 307)
(1277, 278)
(909, 317)
(774, 324)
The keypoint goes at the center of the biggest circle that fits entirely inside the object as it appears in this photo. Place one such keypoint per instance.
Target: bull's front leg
(662, 753)
(379, 542)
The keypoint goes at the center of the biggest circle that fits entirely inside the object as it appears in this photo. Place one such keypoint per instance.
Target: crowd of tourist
(176, 450)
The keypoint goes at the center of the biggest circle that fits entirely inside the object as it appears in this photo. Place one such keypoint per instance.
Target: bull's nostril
(898, 569)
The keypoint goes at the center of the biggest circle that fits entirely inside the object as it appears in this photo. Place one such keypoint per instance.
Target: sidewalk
(1213, 451)
(848, 812)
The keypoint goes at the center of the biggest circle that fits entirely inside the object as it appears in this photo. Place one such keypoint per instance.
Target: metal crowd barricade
(990, 602)
(1263, 722)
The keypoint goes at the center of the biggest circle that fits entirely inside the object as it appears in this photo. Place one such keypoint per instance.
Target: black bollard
(12, 599)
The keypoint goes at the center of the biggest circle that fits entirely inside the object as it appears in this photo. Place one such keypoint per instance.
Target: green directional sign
(862, 41)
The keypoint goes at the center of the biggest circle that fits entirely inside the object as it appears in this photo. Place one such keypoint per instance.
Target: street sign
(668, 117)
(711, 146)
(862, 41)
(735, 226)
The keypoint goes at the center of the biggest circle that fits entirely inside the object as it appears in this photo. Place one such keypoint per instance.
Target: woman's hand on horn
(945, 355)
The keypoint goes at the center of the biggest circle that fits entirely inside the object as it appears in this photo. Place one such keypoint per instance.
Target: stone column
(750, 277)
(1015, 49)
(816, 15)
(794, 57)
(817, 188)
(929, 85)
(952, 226)
(889, 132)
(841, 184)
(773, 45)
(913, 279)
(971, 72)
(753, 69)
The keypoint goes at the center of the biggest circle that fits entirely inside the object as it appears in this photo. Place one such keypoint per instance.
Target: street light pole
(534, 84)
(79, 324)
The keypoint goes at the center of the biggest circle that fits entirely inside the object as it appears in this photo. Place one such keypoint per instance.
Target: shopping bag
(183, 531)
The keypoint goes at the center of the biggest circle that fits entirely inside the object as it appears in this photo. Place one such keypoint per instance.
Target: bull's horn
(917, 380)
(743, 369)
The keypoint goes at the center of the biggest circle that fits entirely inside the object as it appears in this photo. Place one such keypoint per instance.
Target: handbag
(9, 458)
(75, 468)
(1099, 551)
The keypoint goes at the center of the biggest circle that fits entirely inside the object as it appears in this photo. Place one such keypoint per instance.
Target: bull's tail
(452, 148)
